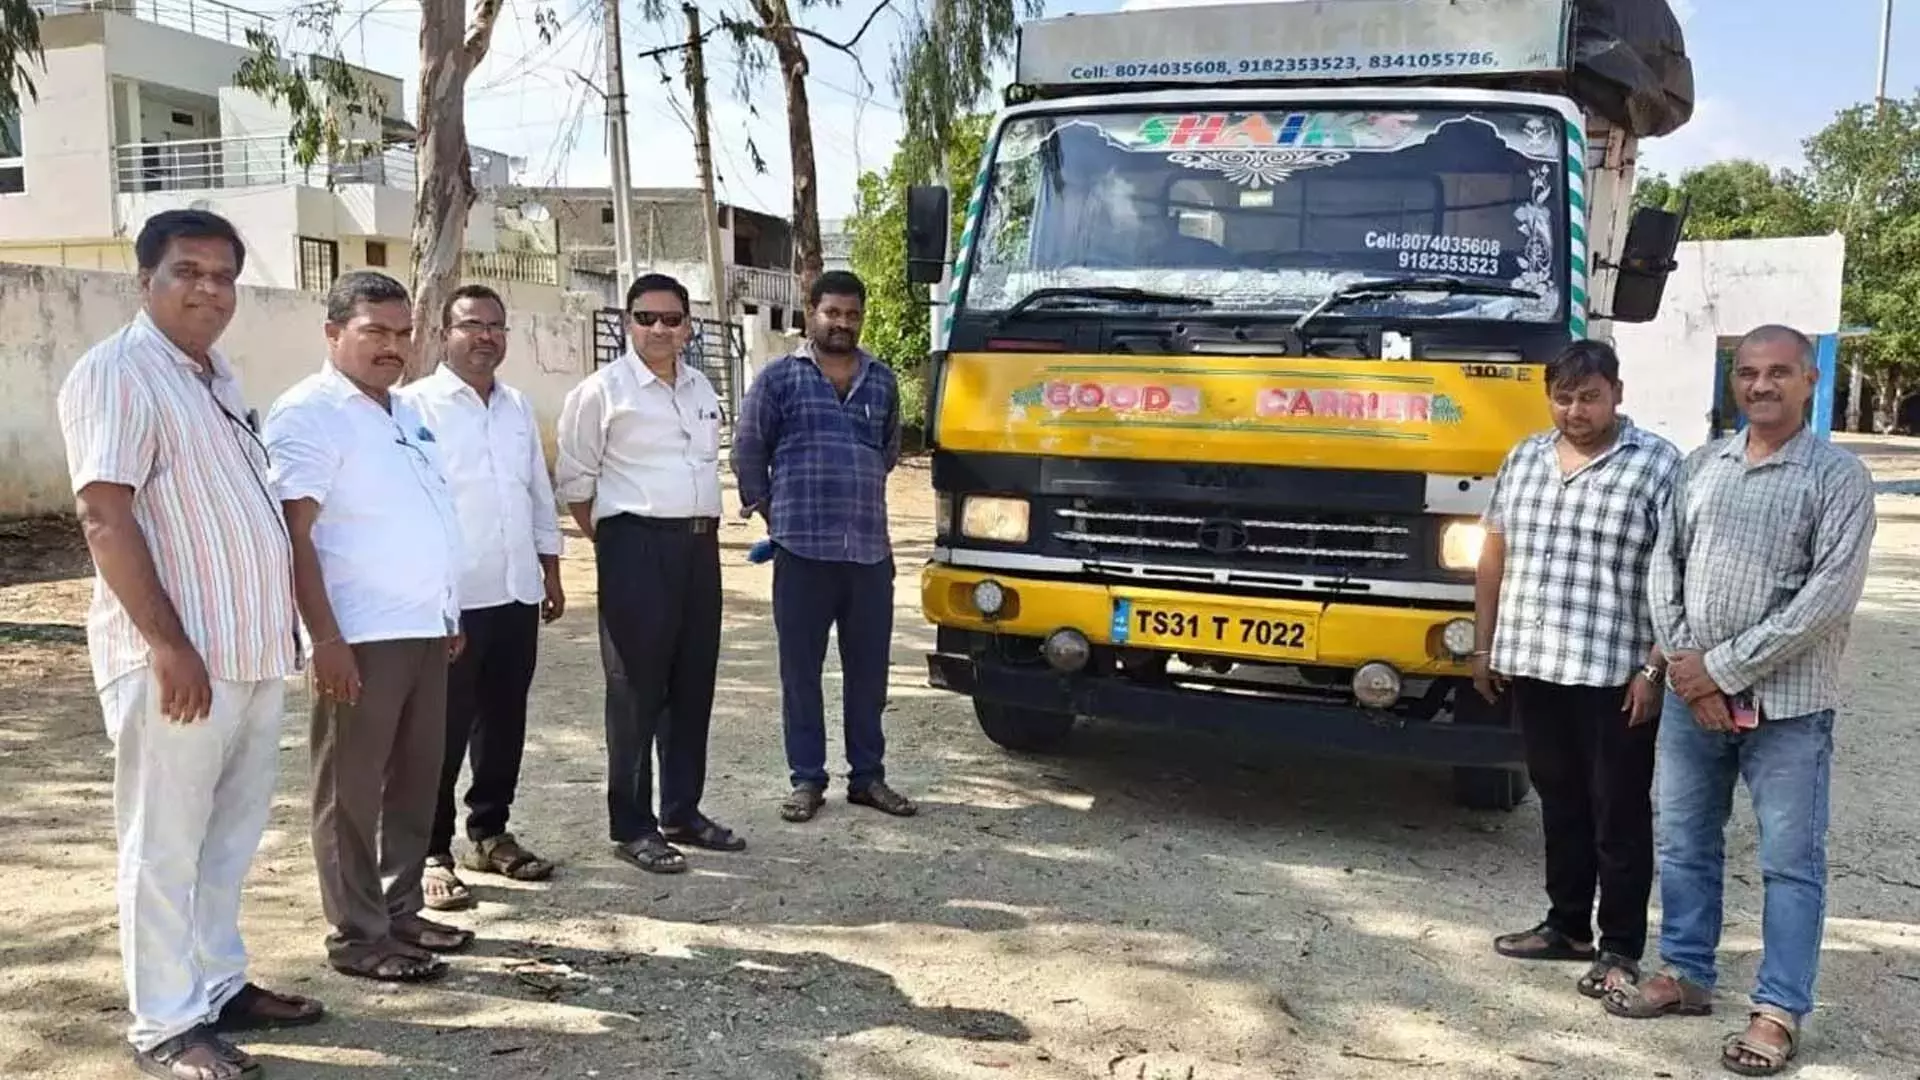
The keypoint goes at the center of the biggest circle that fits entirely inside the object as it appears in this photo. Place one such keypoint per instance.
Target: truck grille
(1284, 540)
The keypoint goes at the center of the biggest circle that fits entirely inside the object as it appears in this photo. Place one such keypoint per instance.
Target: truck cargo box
(1623, 59)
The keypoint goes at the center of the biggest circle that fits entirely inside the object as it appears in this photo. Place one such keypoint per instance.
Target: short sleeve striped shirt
(1573, 600)
(135, 412)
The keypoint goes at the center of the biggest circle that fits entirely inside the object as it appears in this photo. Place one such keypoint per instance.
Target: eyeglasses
(669, 319)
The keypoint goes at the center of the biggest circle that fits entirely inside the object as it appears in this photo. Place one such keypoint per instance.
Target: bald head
(1776, 337)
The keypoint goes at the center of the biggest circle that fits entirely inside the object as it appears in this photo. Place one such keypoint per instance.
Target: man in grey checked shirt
(1561, 612)
(1761, 560)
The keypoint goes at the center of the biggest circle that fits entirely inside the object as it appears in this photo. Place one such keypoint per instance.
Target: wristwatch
(1653, 673)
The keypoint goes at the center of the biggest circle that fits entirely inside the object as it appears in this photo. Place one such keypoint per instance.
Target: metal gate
(718, 349)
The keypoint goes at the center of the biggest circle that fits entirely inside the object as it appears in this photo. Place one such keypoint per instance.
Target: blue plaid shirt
(822, 462)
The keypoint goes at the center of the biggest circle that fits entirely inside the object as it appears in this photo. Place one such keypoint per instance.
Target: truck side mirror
(928, 222)
(1645, 261)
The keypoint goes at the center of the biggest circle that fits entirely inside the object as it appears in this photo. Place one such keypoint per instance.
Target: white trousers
(190, 803)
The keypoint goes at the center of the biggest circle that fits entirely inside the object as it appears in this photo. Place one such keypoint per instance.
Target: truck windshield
(1269, 212)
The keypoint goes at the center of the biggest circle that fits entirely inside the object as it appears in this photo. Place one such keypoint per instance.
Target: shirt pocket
(512, 452)
(705, 433)
(869, 423)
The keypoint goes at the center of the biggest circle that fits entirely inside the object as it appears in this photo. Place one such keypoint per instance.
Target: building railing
(208, 18)
(260, 161)
(528, 266)
(754, 285)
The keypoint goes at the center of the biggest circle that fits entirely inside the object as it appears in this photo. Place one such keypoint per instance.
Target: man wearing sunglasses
(639, 470)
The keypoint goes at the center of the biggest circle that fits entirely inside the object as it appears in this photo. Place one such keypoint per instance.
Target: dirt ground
(1144, 908)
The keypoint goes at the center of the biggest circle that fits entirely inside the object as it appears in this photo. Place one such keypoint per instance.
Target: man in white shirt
(191, 635)
(376, 552)
(490, 450)
(639, 469)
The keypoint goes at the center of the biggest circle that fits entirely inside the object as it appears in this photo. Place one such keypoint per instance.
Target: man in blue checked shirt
(818, 435)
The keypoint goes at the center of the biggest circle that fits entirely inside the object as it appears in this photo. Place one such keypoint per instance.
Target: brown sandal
(503, 855)
(225, 1061)
(805, 801)
(1634, 1003)
(422, 933)
(255, 1008)
(879, 796)
(392, 966)
(441, 888)
(1773, 1058)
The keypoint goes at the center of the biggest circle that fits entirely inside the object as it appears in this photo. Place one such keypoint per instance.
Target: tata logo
(1221, 536)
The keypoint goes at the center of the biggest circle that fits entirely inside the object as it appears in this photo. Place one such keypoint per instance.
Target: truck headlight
(996, 518)
(1460, 543)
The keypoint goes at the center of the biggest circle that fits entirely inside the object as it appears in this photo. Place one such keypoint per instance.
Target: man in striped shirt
(191, 634)
(1761, 559)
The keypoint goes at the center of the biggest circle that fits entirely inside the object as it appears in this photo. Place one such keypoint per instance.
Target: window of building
(13, 165)
(319, 264)
(376, 253)
(606, 215)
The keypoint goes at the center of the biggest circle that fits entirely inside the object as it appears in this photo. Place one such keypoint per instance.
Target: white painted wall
(268, 219)
(164, 56)
(1722, 288)
(49, 317)
(66, 137)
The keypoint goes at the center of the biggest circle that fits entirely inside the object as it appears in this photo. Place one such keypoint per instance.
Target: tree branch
(480, 34)
(848, 45)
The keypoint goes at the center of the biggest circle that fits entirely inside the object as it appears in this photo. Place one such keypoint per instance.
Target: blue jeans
(810, 598)
(1787, 765)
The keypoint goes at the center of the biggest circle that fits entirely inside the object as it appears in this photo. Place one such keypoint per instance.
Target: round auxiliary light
(1457, 636)
(1066, 650)
(989, 597)
(1376, 685)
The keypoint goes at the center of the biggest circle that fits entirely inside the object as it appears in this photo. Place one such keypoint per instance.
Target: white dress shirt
(490, 451)
(634, 445)
(387, 534)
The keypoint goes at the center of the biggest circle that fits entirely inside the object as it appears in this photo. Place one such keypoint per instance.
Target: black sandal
(1542, 942)
(160, 1060)
(704, 833)
(393, 967)
(412, 930)
(1600, 980)
(243, 1011)
(653, 854)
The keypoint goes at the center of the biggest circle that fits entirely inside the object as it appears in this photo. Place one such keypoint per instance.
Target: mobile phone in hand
(1746, 712)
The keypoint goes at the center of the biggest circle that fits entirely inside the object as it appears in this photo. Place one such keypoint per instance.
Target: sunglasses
(669, 319)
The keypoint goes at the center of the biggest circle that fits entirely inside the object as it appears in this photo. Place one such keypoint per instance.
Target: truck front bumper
(1347, 635)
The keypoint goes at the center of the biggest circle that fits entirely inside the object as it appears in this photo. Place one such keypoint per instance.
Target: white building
(137, 113)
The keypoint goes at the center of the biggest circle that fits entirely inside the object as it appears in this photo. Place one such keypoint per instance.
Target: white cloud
(1720, 131)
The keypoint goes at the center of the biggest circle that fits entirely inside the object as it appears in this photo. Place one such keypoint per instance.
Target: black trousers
(1595, 779)
(487, 719)
(660, 645)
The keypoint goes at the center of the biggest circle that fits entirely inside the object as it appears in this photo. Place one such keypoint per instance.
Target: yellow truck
(1249, 304)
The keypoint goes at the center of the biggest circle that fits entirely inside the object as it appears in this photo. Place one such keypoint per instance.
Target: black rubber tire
(1490, 789)
(1017, 728)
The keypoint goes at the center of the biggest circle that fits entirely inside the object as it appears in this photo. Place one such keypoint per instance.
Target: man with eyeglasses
(639, 470)
(376, 552)
(490, 450)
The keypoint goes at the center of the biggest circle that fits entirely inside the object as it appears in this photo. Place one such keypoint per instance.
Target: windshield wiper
(1118, 294)
(1379, 287)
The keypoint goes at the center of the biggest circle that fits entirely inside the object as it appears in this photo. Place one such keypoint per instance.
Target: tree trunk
(776, 26)
(444, 194)
(1889, 394)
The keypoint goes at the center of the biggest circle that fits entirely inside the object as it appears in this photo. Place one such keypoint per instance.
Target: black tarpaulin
(1630, 64)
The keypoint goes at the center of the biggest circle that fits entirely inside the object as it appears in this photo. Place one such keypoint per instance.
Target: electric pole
(1856, 382)
(703, 155)
(617, 150)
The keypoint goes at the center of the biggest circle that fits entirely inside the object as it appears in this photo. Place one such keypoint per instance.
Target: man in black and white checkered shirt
(1561, 612)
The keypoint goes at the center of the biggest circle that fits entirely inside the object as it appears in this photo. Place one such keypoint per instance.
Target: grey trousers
(376, 778)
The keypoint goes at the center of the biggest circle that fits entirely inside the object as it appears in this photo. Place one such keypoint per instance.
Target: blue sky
(1768, 73)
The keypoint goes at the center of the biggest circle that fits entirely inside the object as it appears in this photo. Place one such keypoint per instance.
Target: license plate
(1221, 629)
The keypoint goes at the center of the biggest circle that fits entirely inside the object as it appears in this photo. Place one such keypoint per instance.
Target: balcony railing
(527, 266)
(208, 18)
(263, 161)
(751, 284)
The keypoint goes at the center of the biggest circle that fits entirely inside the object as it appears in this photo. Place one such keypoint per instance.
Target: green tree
(1735, 200)
(19, 47)
(1863, 178)
(896, 323)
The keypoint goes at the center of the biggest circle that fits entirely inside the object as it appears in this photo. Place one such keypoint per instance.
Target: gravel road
(1144, 908)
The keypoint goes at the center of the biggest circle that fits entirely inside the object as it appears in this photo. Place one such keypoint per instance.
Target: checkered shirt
(1762, 565)
(1573, 600)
